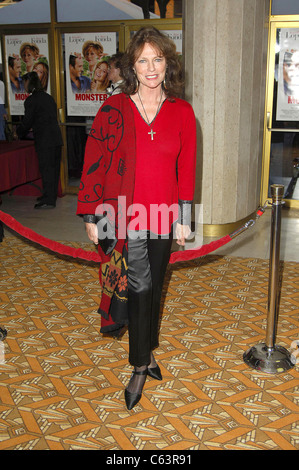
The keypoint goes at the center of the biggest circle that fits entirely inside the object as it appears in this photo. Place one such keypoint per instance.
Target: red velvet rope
(187, 255)
(62, 249)
(57, 247)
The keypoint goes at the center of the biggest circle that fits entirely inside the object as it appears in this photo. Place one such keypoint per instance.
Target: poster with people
(86, 65)
(288, 76)
(25, 53)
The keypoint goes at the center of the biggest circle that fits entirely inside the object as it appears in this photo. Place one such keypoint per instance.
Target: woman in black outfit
(41, 117)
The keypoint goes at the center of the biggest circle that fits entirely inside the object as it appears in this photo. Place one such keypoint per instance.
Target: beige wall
(225, 49)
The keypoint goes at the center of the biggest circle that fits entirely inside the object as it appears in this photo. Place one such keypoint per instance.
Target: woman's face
(28, 56)
(101, 72)
(150, 67)
(91, 55)
(39, 69)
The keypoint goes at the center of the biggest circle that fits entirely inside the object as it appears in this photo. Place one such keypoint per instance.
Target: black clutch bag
(107, 239)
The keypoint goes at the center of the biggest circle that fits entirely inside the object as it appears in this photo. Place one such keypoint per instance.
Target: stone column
(225, 53)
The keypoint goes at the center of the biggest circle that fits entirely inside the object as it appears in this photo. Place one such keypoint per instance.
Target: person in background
(114, 73)
(41, 116)
(3, 113)
(141, 154)
(3, 117)
(2, 88)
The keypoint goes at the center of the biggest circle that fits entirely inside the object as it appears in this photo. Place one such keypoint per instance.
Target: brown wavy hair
(173, 84)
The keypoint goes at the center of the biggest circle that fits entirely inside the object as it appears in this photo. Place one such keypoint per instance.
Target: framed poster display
(25, 53)
(288, 75)
(86, 66)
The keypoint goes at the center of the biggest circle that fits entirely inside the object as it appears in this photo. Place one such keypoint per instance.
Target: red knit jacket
(108, 172)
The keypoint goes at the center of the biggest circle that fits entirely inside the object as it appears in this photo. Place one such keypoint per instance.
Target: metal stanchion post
(269, 357)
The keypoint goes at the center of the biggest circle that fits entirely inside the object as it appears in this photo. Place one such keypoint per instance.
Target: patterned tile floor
(61, 383)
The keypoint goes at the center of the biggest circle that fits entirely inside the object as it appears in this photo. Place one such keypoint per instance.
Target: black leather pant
(147, 263)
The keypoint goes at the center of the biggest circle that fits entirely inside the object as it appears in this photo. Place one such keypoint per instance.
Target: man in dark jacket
(41, 116)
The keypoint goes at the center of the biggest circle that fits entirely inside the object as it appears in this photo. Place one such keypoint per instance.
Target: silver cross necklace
(151, 133)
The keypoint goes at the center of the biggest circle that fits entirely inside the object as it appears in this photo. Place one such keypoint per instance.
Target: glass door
(281, 134)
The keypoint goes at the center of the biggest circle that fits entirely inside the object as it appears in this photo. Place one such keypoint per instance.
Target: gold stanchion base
(270, 360)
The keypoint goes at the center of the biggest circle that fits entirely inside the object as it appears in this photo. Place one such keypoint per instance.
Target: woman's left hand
(182, 232)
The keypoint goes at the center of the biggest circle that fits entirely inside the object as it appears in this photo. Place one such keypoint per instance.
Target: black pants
(49, 159)
(147, 263)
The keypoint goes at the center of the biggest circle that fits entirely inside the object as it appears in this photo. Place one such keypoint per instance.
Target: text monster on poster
(25, 53)
(86, 65)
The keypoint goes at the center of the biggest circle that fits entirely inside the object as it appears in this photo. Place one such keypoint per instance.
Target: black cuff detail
(185, 210)
(89, 218)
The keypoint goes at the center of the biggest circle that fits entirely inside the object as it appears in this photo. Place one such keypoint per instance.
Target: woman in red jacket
(139, 167)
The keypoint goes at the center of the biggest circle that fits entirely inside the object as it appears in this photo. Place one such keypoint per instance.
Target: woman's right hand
(92, 232)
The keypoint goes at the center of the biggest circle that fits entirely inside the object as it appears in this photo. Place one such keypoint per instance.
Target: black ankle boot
(133, 398)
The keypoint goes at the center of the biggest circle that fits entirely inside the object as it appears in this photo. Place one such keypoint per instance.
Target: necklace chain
(151, 133)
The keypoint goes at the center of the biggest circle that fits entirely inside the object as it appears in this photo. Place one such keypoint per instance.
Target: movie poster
(288, 76)
(86, 56)
(25, 53)
(177, 37)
